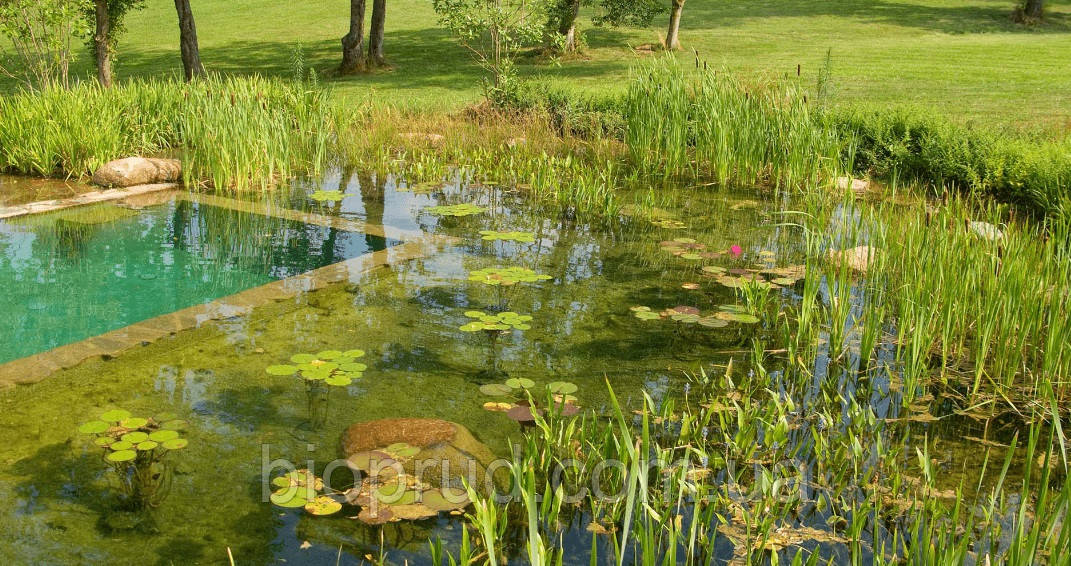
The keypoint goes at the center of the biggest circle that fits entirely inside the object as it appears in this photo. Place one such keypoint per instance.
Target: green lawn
(964, 58)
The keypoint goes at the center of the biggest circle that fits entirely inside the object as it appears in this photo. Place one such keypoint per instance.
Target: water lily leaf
(647, 315)
(327, 196)
(445, 499)
(292, 497)
(562, 387)
(122, 456)
(364, 461)
(135, 437)
(492, 235)
(323, 505)
(329, 354)
(103, 441)
(475, 314)
(94, 427)
(115, 416)
(282, 370)
(147, 445)
(521, 414)
(738, 317)
(465, 209)
(395, 493)
(302, 358)
(375, 516)
(163, 435)
(712, 322)
(520, 383)
(175, 444)
(714, 269)
(640, 309)
(784, 281)
(496, 389)
(121, 445)
(338, 380)
(281, 481)
(133, 422)
(353, 367)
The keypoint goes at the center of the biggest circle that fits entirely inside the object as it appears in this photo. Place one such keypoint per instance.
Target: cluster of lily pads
(500, 322)
(518, 397)
(327, 196)
(388, 493)
(506, 276)
(302, 489)
(692, 315)
(125, 438)
(464, 209)
(512, 236)
(766, 276)
(419, 188)
(331, 367)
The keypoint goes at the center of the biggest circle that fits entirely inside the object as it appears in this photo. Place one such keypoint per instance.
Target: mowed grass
(962, 58)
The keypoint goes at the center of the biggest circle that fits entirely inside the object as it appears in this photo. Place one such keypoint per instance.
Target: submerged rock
(858, 258)
(131, 171)
(446, 451)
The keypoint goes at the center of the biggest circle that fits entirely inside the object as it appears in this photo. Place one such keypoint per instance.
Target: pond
(587, 327)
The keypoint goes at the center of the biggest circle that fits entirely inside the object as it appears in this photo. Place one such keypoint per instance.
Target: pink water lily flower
(736, 250)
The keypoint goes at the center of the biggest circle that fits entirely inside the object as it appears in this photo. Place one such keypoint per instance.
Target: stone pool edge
(37, 367)
(92, 197)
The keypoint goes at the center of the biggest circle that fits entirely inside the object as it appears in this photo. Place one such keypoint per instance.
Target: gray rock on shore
(132, 171)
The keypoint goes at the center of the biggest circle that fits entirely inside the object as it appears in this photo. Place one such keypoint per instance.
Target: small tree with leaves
(39, 35)
(563, 16)
(492, 30)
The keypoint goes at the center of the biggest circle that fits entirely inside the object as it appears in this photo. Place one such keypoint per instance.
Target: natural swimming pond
(588, 328)
(80, 272)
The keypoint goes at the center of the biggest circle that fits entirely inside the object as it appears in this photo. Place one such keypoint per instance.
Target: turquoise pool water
(74, 274)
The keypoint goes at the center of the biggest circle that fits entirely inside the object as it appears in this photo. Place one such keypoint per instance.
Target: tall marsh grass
(232, 132)
(707, 125)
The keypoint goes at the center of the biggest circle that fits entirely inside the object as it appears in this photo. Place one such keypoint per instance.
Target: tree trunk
(375, 33)
(567, 25)
(1033, 8)
(102, 49)
(191, 53)
(673, 41)
(353, 42)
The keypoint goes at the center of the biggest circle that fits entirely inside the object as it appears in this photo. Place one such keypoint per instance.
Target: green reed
(230, 132)
(707, 125)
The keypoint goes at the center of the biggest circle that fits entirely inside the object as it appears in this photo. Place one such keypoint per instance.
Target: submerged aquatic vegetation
(465, 209)
(136, 448)
(332, 367)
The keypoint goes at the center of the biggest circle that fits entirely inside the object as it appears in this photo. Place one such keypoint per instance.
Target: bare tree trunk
(1033, 9)
(673, 41)
(375, 33)
(102, 49)
(353, 41)
(191, 53)
(567, 25)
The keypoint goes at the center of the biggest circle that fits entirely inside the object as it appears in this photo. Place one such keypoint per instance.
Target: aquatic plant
(388, 493)
(332, 367)
(687, 315)
(518, 400)
(136, 449)
(327, 196)
(464, 209)
(506, 276)
(512, 236)
(496, 323)
(419, 188)
(302, 489)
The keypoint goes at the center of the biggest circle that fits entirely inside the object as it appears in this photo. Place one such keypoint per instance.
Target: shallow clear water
(60, 506)
(81, 272)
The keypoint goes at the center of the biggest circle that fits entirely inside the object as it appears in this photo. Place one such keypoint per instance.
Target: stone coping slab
(37, 367)
(92, 197)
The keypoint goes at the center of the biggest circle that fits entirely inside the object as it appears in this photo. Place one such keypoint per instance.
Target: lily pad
(163, 435)
(327, 196)
(115, 416)
(302, 358)
(135, 437)
(292, 497)
(282, 370)
(94, 427)
(562, 387)
(506, 276)
(147, 445)
(175, 444)
(133, 422)
(122, 456)
(493, 235)
(323, 505)
(121, 445)
(520, 383)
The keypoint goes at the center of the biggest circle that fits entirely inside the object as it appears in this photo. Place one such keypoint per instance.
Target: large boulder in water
(438, 452)
(132, 171)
